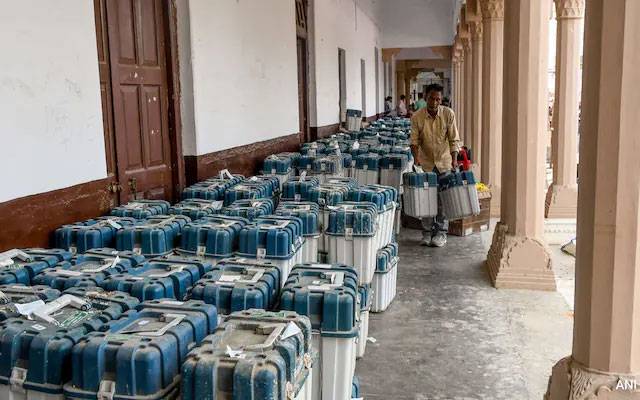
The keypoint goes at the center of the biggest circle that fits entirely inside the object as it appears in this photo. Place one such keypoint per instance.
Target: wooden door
(137, 52)
(303, 109)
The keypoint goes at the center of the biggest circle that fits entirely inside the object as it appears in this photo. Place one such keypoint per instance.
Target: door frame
(170, 32)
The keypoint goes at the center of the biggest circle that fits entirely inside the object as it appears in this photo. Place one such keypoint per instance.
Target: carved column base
(572, 381)
(519, 262)
(561, 202)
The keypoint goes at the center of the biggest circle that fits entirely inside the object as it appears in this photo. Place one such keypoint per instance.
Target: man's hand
(454, 160)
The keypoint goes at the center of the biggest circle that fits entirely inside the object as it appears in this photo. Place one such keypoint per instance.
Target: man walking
(435, 142)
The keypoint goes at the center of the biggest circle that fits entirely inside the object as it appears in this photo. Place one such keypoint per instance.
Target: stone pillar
(492, 51)
(461, 97)
(476, 112)
(455, 64)
(562, 196)
(606, 332)
(518, 257)
(468, 91)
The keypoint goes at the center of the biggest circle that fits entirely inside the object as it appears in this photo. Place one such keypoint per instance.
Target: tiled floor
(450, 335)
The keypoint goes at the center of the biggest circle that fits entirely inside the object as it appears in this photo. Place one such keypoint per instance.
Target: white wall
(243, 68)
(342, 24)
(50, 108)
(413, 23)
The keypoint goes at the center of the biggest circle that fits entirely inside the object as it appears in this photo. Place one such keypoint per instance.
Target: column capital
(475, 29)
(492, 9)
(466, 43)
(569, 9)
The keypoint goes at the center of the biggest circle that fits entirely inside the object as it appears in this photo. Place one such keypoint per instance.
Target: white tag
(173, 302)
(113, 224)
(261, 253)
(253, 178)
(38, 327)
(6, 262)
(73, 250)
(143, 322)
(390, 166)
(225, 174)
(217, 205)
(371, 339)
(234, 353)
(27, 308)
(137, 250)
(353, 163)
(426, 185)
(273, 171)
(348, 233)
(292, 329)
(322, 167)
(355, 145)
(229, 278)
(201, 250)
(296, 197)
(365, 166)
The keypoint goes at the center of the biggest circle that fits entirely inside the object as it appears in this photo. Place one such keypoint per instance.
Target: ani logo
(628, 384)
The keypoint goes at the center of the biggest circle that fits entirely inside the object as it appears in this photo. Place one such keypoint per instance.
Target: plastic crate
(385, 277)
(212, 190)
(420, 197)
(196, 208)
(458, 195)
(141, 209)
(352, 233)
(385, 198)
(232, 286)
(152, 237)
(277, 242)
(21, 265)
(298, 189)
(90, 270)
(328, 295)
(309, 213)
(367, 170)
(327, 166)
(365, 297)
(392, 166)
(249, 209)
(164, 277)
(93, 233)
(327, 196)
(140, 355)
(254, 354)
(16, 299)
(36, 359)
(212, 238)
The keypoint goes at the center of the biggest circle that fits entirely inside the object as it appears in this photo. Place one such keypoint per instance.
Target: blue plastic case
(212, 237)
(10, 295)
(36, 354)
(196, 208)
(235, 286)
(140, 209)
(154, 236)
(249, 209)
(327, 294)
(164, 277)
(20, 266)
(254, 354)
(139, 356)
(90, 234)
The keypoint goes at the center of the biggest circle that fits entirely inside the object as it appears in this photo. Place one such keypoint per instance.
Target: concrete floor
(450, 335)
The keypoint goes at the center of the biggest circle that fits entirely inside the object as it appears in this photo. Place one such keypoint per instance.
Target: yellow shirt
(436, 138)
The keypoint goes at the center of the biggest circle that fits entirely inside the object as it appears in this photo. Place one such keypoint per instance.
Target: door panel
(303, 109)
(140, 98)
(105, 84)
